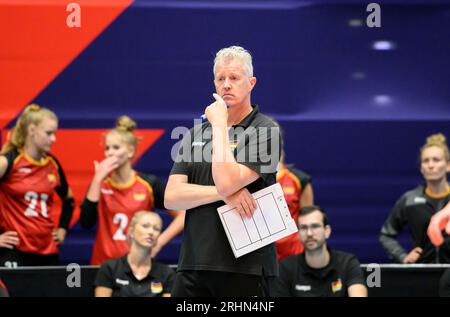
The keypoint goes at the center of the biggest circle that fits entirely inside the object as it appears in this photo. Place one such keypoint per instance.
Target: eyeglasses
(313, 227)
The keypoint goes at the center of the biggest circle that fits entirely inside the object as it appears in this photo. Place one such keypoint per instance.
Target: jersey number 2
(122, 221)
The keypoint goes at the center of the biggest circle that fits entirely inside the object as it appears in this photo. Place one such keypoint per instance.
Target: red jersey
(26, 199)
(292, 182)
(116, 207)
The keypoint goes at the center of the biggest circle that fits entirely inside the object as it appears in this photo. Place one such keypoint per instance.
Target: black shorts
(220, 284)
(14, 258)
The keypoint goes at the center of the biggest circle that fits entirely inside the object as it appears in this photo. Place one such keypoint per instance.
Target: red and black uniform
(414, 209)
(293, 181)
(26, 198)
(114, 210)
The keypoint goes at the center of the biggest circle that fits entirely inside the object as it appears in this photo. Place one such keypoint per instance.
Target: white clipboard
(270, 222)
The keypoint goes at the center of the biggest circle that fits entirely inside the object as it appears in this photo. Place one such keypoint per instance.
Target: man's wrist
(219, 125)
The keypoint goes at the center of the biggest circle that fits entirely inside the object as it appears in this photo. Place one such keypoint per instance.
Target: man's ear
(252, 83)
(327, 231)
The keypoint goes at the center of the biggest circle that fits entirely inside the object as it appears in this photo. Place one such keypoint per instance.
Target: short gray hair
(235, 52)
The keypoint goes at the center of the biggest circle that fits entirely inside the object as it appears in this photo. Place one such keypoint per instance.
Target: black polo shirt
(255, 142)
(297, 279)
(116, 274)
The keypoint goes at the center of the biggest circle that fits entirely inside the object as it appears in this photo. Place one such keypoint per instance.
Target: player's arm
(174, 229)
(3, 165)
(8, 239)
(180, 195)
(88, 214)
(307, 197)
(390, 230)
(104, 281)
(101, 291)
(102, 170)
(355, 279)
(68, 205)
(357, 290)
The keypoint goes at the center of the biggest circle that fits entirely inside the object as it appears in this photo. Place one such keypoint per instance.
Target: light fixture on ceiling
(384, 45)
(358, 75)
(382, 100)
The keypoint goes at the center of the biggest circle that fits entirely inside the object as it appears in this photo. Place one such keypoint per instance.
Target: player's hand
(105, 167)
(9, 239)
(59, 235)
(217, 113)
(439, 222)
(243, 201)
(413, 256)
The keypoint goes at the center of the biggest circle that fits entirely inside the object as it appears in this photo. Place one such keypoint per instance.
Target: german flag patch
(156, 287)
(139, 196)
(336, 286)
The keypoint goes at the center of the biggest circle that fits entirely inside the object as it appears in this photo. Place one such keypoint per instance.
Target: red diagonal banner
(37, 44)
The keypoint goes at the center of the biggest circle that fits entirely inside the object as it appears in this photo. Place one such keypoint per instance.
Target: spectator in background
(416, 207)
(319, 271)
(136, 274)
(117, 191)
(298, 193)
(29, 178)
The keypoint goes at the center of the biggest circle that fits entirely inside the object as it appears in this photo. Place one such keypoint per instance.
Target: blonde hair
(137, 216)
(235, 52)
(124, 128)
(438, 140)
(32, 114)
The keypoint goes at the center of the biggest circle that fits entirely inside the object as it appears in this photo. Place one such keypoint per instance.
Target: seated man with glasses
(319, 271)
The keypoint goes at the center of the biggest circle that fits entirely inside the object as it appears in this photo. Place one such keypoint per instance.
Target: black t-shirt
(116, 274)
(415, 209)
(297, 279)
(255, 142)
